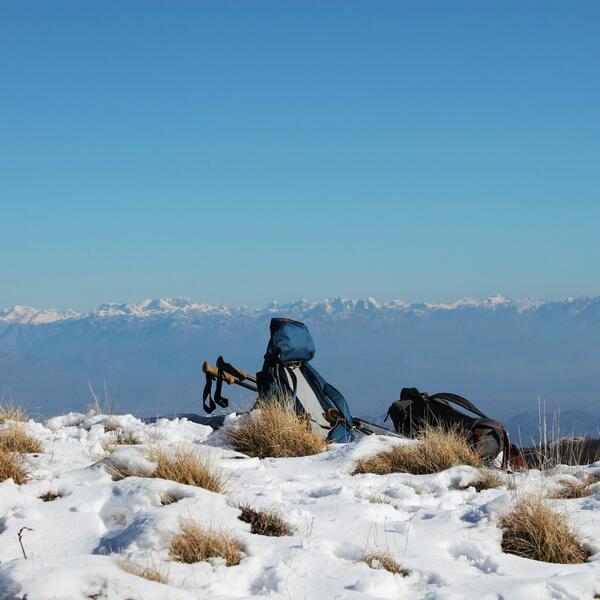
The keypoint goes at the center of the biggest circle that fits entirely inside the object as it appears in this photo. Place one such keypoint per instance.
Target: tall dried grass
(532, 529)
(13, 466)
(12, 412)
(563, 451)
(275, 430)
(195, 543)
(553, 448)
(16, 439)
(436, 450)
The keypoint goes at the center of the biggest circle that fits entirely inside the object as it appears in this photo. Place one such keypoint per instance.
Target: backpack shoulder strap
(209, 402)
(456, 399)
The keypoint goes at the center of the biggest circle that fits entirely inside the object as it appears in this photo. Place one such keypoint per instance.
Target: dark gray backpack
(415, 411)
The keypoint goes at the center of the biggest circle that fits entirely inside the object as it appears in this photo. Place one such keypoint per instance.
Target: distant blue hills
(502, 354)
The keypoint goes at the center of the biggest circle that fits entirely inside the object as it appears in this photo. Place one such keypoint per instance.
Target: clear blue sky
(239, 152)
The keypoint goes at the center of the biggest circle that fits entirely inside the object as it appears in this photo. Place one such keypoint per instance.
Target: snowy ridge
(331, 307)
(438, 527)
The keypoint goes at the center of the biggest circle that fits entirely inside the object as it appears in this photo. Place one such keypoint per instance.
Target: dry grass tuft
(15, 439)
(276, 431)
(194, 544)
(184, 467)
(170, 498)
(488, 480)
(118, 471)
(149, 572)
(576, 489)
(12, 466)
(380, 560)
(534, 530)
(189, 469)
(436, 450)
(12, 412)
(49, 496)
(264, 522)
(381, 500)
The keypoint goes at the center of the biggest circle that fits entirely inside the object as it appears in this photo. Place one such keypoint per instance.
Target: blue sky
(239, 152)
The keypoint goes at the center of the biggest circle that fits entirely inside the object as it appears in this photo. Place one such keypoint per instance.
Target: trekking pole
(227, 377)
(237, 373)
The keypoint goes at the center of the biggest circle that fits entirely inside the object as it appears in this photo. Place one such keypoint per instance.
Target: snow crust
(437, 526)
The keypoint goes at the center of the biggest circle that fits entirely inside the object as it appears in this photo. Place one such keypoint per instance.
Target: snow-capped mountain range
(303, 309)
(501, 353)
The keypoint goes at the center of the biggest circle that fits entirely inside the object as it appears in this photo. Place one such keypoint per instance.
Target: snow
(302, 309)
(437, 526)
(27, 315)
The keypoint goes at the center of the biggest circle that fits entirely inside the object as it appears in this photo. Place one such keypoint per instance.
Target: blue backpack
(287, 372)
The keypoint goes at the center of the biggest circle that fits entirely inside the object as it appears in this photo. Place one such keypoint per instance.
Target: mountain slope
(501, 353)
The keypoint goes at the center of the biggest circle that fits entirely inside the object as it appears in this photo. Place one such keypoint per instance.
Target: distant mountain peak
(337, 306)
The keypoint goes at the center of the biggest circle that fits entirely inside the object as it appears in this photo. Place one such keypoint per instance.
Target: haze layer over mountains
(500, 353)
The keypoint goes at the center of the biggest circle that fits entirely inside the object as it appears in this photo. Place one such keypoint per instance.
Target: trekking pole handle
(237, 373)
(216, 373)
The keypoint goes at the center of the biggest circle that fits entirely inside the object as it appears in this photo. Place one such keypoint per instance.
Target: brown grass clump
(436, 450)
(168, 499)
(118, 471)
(194, 544)
(12, 412)
(488, 480)
(576, 489)
(184, 467)
(264, 522)
(380, 560)
(149, 572)
(15, 439)
(49, 496)
(189, 469)
(12, 466)
(276, 431)
(534, 530)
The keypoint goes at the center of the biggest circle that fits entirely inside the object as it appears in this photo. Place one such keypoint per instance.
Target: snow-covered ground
(437, 526)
